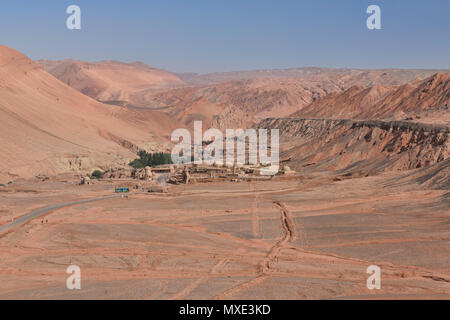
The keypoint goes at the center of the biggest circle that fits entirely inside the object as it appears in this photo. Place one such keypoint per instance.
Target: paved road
(40, 212)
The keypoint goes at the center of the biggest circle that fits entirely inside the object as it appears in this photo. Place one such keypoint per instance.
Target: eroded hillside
(360, 147)
(48, 127)
(418, 98)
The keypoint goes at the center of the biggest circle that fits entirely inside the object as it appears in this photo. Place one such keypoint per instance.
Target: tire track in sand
(290, 235)
(191, 287)
(266, 265)
(256, 227)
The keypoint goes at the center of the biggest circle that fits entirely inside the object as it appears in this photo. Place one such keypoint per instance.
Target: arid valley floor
(303, 237)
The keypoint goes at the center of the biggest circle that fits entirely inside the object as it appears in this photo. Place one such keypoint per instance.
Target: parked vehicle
(122, 190)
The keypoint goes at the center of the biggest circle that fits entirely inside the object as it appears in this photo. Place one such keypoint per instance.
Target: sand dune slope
(48, 127)
(112, 81)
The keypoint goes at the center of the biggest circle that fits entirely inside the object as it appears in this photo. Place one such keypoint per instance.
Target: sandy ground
(301, 238)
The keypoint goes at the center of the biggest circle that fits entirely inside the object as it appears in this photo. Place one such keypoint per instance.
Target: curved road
(43, 211)
(40, 212)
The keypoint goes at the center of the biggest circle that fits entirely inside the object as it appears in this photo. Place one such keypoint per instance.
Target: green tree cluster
(97, 174)
(150, 159)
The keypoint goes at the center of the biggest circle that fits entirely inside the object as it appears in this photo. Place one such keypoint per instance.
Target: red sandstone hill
(381, 101)
(48, 127)
(112, 81)
(229, 99)
(240, 103)
(329, 94)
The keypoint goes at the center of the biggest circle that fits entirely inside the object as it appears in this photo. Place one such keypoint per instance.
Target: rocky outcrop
(367, 146)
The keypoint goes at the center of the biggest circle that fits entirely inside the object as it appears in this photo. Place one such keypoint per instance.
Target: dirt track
(43, 211)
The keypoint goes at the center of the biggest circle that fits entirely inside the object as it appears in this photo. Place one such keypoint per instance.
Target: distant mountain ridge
(111, 81)
(364, 76)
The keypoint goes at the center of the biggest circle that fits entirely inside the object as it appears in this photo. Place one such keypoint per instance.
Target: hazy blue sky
(211, 35)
